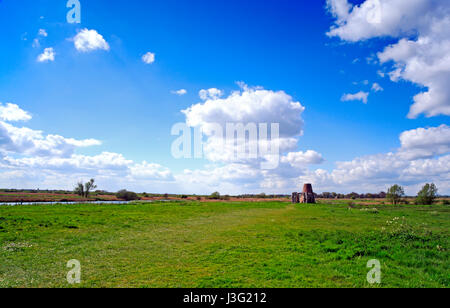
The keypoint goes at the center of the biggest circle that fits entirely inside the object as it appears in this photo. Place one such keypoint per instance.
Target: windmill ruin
(306, 196)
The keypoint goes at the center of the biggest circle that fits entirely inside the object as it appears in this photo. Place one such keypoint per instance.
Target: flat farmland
(224, 244)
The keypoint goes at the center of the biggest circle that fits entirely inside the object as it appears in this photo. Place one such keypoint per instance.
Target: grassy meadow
(224, 244)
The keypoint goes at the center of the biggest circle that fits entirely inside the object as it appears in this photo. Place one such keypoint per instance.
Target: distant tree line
(353, 195)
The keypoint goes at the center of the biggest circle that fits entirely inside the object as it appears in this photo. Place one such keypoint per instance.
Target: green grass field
(220, 244)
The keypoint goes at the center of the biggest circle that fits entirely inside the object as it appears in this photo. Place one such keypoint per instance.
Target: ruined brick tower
(306, 196)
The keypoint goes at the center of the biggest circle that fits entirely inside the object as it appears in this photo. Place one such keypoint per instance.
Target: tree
(88, 187)
(79, 189)
(215, 195)
(83, 190)
(427, 195)
(395, 194)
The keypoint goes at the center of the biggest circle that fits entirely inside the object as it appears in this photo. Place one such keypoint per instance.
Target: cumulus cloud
(150, 171)
(377, 172)
(247, 109)
(105, 160)
(340, 9)
(42, 32)
(253, 105)
(422, 54)
(12, 112)
(425, 142)
(212, 93)
(148, 58)
(422, 157)
(23, 140)
(180, 92)
(302, 159)
(89, 40)
(47, 55)
(360, 96)
(214, 177)
(29, 157)
(376, 87)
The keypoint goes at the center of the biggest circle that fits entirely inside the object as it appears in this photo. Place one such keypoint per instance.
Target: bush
(127, 195)
(184, 197)
(445, 202)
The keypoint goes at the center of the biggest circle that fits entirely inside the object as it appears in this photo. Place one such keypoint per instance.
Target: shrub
(445, 202)
(184, 197)
(127, 195)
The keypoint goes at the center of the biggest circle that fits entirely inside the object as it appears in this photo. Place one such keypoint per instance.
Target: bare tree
(84, 189)
(88, 187)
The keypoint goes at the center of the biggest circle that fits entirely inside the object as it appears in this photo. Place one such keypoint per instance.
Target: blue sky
(129, 106)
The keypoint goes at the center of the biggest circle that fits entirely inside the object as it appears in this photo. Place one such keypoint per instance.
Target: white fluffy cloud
(374, 18)
(360, 96)
(180, 92)
(148, 58)
(230, 178)
(42, 32)
(376, 87)
(422, 54)
(47, 55)
(150, 171)
(12, 112)
(212, 93)
(422, 157)
(302, 159)
(425, 142)
(26, 141)
(251, 105)
(28, 157)
(88, 40)
(249, 108)
(105, 160)
(23, 140)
